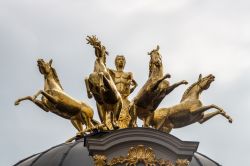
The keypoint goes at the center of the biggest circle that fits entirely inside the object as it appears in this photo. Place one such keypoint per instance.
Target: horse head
(204, 83)
(155, 64)
(155, 57)
(196, 88)
(44, 68)
(48, 71)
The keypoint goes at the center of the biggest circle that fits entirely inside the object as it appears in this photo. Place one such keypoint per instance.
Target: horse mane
(185, 95)
(56, 77)
(150, 67)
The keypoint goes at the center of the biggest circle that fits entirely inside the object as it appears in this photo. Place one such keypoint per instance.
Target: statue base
(131, 146)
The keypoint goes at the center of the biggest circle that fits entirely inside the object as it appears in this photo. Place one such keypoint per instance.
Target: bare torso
(123, 82)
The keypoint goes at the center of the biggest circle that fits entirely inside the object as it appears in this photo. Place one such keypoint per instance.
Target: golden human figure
(125, 85)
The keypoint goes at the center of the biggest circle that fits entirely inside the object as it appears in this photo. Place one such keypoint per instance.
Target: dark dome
(200, 159)
(78, 153)
(66, 154)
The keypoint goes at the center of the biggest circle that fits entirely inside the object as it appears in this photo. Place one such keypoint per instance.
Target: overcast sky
(195, 36)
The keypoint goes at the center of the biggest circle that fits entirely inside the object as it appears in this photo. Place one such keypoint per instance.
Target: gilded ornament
(111, 88)
(153, 91)
(125, 85)
(100, 160)
(190, 109)
(55, 100)
(101, 85)
(136, 155)
(182, 162)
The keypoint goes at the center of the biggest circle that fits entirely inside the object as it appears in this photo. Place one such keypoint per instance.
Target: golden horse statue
(55, 100)
(190, 109)
(153, 92)
(101, 85)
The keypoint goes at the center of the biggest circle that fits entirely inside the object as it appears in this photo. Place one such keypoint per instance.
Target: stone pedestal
(139, 146)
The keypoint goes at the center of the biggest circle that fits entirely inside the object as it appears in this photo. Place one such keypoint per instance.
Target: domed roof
(78, 153)
(65, 154)
(202, 160)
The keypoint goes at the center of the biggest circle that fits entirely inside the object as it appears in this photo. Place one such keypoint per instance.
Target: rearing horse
(190, 109)
(153, 92)
(101, 85)
(55, 100)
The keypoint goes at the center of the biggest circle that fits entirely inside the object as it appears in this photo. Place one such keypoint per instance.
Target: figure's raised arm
(100, 50)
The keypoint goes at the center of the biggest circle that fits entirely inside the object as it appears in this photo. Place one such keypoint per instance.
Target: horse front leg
(133, 114)
(223, 113)
(37, 102)
(51, 98)
(89, 93)
(155, 86)
(31, 98)
(172, 87)
(17, 102)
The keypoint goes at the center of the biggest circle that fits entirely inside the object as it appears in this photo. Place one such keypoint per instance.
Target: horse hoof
(104, 128)
(134, 125)
(185, 82)
(168, 76)
(115, 126)
(79, 134)
(230, 120)
(17, 103)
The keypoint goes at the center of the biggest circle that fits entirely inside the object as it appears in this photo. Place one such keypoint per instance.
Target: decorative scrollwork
(138, 154)
(100, 160)
(182, 162)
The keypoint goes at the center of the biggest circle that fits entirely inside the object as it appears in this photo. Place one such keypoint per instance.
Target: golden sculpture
(136, 155)
(55, 100)
(182, 162)
(190, 109)
(153, 91)
(100, 160)
(101, 85)
(111, 88)
(125, 85)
